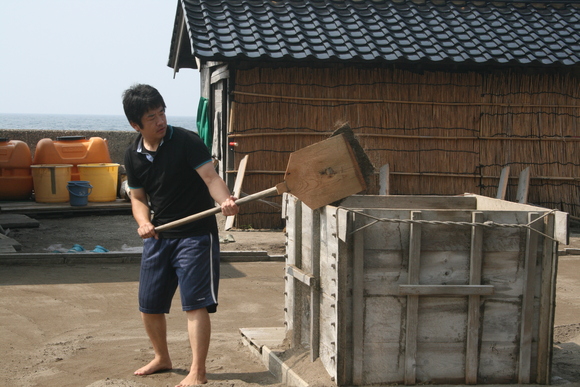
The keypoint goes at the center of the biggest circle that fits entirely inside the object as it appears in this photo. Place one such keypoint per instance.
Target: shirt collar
(167, 136)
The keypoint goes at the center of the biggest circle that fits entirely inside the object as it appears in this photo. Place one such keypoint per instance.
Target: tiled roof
(393, 31)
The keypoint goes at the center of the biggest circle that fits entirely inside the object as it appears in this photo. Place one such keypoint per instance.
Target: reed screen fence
(442, 133)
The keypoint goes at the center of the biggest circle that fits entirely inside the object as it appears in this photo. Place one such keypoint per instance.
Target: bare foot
(192, 380)
(154, 366)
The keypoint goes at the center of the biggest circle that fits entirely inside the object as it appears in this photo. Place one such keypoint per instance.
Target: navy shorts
(193, 263)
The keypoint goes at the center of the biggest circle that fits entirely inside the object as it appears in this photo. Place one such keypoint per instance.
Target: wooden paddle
(318, 175)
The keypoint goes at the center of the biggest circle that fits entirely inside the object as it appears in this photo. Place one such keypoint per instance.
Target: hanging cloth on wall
(204, 127)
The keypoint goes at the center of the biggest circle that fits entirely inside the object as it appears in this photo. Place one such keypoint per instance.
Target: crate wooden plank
(444, 267)
(383, 317)
(339, 251)
(293, 212)
(505, 271)
(410, 202)
(527, 319)
(547, 302)
(329, 252)
(446, 290)
(390, 235)
(328, 331)
(358, 307)
(440, 363)
(498, 363)
(387, 260)
(315, 289)
(473, 317)
(442, 320)
(308, 246)
(300, 275)
(412, 301)
(561, 232)
(501, 321)
(384, 363)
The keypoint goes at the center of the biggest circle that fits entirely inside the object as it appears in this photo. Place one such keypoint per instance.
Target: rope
(488, 223)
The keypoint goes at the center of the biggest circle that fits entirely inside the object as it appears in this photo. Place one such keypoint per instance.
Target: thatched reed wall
(441, 133)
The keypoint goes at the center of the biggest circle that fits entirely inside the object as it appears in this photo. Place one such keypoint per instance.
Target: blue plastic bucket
(79, 192)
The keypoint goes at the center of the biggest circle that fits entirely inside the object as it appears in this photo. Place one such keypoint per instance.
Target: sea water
(80, 122)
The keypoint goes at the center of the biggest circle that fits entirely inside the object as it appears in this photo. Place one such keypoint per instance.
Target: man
(170, 173)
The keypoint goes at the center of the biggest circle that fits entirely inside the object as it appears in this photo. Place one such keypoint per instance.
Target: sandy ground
(78, 325)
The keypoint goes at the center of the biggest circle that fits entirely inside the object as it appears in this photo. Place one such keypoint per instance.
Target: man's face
(153, 124)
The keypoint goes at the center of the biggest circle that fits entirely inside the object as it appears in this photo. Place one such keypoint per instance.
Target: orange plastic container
(73, 150)
(15, 173)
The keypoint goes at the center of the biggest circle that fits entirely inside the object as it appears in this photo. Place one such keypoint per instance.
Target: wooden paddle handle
(217, 210)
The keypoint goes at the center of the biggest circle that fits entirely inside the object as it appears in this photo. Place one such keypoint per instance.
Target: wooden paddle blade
(324, 172)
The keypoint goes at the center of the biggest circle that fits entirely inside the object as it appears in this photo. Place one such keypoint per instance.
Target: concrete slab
(8, 244)
(17, 221)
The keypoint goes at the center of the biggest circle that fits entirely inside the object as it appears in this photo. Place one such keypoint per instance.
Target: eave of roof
(539, 33)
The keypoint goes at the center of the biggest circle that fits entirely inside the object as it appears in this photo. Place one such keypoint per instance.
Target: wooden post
(413, 301)
(526, 329)
(384, 180)
(358, 304)
(315, 287)
(237, 192)
(523, 186)
(293, 305)
(547, 301)
(471, 351)
(503, 182)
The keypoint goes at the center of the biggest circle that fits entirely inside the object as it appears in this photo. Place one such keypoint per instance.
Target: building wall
(442, 133)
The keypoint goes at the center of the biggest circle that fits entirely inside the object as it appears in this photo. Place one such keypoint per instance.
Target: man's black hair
(138, 100)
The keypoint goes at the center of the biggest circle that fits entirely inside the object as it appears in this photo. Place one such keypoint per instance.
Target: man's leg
(199, 329)
(156, 328)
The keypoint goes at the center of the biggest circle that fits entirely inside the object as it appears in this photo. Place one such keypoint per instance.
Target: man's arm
(142, 213)
(218, 189)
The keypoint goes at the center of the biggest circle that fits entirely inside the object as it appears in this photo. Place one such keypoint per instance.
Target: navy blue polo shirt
(170, 179)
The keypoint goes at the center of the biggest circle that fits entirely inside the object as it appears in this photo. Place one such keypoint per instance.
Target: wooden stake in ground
(237, 189)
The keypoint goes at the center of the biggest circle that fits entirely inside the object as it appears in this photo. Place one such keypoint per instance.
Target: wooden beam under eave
(178, 49)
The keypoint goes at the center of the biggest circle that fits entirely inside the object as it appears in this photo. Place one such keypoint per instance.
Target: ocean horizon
(80, 122)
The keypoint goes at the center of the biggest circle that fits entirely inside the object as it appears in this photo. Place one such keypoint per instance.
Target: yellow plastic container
(15, 174)
(72, 150)
(103, 177)
(50, 182)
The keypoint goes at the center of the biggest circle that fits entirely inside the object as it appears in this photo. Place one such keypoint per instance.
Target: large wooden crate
(423, 289)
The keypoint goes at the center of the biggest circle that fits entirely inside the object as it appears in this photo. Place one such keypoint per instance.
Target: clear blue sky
(77, 56)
